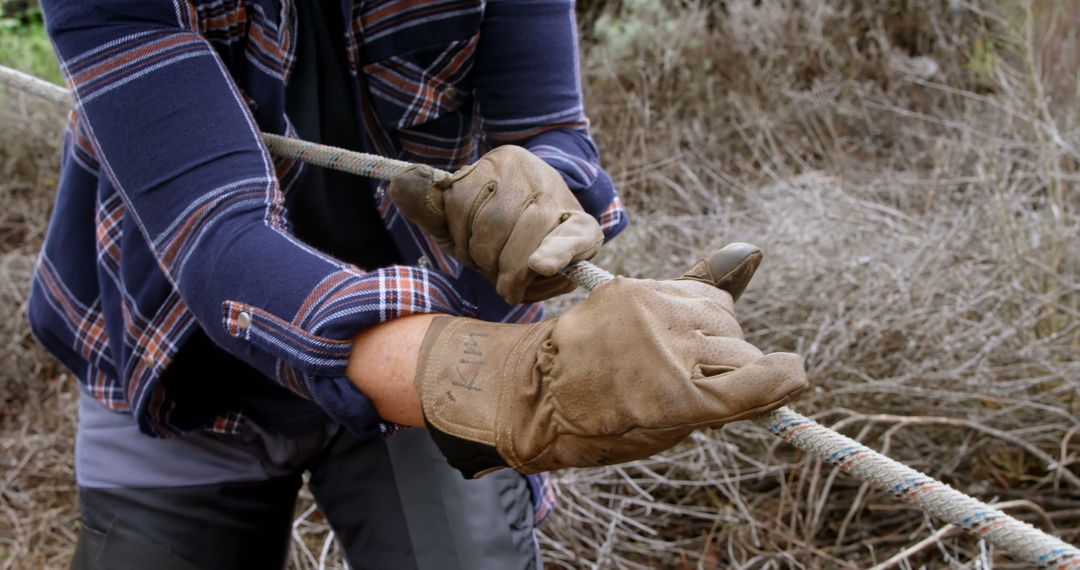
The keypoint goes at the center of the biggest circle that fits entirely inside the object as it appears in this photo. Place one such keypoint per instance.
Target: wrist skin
(383, 365)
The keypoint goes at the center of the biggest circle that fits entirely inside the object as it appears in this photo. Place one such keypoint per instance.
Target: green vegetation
(23, 43)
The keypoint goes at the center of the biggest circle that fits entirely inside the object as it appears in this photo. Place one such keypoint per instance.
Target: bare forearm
(383, 363)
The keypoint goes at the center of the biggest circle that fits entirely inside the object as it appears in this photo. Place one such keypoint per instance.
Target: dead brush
(914, 190)
(38, 509)
(910, 168)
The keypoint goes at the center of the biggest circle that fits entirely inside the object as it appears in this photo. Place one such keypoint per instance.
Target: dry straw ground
(910, 168)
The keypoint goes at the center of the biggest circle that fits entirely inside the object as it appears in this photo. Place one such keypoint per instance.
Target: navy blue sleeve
(528, 91)
(173, 135)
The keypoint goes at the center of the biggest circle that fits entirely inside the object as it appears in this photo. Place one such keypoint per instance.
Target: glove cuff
(470, 374)
(472, 459)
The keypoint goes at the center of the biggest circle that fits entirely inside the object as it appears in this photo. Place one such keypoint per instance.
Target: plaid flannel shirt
(170, 213)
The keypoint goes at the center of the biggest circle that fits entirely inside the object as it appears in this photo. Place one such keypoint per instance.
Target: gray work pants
(206, 501)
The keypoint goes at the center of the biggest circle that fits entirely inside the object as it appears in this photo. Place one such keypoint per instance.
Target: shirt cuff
(312, 351)
(575, 160)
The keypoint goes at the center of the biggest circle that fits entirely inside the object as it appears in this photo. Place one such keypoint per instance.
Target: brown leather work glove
(628, 373)
(509, 215)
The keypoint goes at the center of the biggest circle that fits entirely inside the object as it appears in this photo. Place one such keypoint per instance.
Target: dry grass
(910, 168)
(37, 402)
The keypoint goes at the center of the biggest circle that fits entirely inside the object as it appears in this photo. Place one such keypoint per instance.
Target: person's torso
(399, 85)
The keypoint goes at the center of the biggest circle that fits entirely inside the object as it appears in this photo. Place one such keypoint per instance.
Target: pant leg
(219, 526)
(202, 500)
(396, 503)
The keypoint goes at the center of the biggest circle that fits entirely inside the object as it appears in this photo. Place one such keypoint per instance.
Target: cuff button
(243, 320)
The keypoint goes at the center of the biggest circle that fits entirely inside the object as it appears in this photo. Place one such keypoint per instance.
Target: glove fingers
(715, 317)
(512, 265)
(757, 387)
(420, 201)
(717, 355)
(543, 288)
(575, 238)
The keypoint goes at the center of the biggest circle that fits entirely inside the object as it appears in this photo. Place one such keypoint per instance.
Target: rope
(358, 163)
(928, 494)
(19, 81)
(586, 275)
(932, 496)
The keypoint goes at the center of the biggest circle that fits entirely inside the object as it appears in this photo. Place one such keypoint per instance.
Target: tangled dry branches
(910, 168)
(917, 207)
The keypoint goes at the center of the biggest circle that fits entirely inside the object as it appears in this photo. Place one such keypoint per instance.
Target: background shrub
(910, 168)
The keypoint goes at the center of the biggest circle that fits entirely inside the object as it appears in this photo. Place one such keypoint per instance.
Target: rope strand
(928, 494)
(358, 163)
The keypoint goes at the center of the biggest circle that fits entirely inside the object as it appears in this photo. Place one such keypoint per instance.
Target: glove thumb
(730, 268)
(420, 200)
